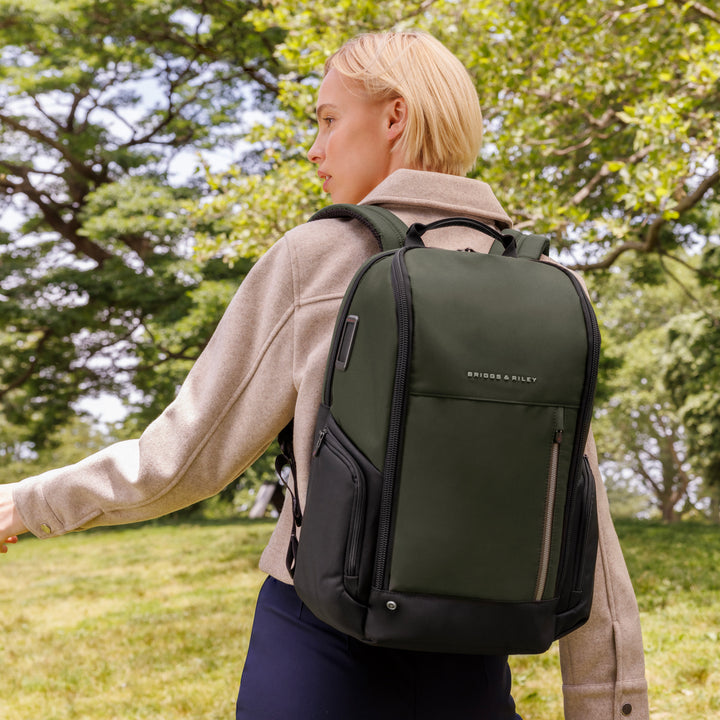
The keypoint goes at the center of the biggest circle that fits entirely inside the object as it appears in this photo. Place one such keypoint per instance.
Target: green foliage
(245, 213)
(250, 210)
(102, 105)
(691, 372)
(601, 121)
(642, 431)
(605, 117)
(70, 443)
(601, 130)
(602, 125)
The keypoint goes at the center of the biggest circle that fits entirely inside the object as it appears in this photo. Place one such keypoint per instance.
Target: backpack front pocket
(485, 519)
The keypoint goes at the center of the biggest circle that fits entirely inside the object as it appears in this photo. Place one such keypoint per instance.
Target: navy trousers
(299, 668)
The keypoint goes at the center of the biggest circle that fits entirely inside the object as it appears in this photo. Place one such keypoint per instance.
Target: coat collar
(447, 193)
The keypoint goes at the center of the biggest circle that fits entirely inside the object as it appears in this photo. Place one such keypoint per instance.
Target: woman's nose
(314, 154)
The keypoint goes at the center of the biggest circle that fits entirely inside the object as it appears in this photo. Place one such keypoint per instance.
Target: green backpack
(450, 506)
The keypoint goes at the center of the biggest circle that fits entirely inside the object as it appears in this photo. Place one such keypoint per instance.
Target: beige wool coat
(265, 365)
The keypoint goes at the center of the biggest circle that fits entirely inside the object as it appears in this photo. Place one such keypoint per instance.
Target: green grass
(676, 574)
(153, 622)
(148, 622)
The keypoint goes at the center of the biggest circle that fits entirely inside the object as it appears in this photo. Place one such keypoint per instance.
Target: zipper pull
(319, 442)
(559, 426)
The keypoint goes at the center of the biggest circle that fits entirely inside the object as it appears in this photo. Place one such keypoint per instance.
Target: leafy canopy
(104, 104)
(602, 119)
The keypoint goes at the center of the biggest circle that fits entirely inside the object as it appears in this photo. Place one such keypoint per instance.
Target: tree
(641, 428)
(602, 121)
(101, 103)
(602, 124)
(692, 375)
(71, 442)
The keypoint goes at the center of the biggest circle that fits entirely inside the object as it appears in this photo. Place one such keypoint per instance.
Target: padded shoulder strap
(389, 230)
(528, 245)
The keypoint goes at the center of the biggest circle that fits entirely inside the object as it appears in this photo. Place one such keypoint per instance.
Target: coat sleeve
(237, 396)
(603, 665)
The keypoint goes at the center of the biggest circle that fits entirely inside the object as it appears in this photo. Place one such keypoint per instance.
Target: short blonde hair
(445, 125)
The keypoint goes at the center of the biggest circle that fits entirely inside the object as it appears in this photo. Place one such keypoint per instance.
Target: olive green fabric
(455, 413)
(361, 393)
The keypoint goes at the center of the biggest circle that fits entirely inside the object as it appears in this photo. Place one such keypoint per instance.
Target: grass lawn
(153, 622)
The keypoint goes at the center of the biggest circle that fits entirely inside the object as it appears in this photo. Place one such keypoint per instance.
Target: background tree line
(151, 150)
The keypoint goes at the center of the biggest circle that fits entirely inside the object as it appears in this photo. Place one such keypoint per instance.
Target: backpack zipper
(550, 505)
(591, 365)
(570, 538)
(403, 305)
(357, 520)
(586, 521)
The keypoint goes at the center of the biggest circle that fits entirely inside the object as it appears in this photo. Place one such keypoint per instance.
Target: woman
(399, 126)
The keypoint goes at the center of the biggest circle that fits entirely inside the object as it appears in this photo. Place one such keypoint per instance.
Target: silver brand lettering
(500, 377)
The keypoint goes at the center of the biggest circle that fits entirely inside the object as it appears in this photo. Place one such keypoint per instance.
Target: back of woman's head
(444, 128)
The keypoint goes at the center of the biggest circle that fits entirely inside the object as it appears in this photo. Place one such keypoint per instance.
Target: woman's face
(355, 137)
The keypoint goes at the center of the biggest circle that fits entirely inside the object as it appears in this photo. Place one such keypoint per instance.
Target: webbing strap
(388, 229)
(286, 458)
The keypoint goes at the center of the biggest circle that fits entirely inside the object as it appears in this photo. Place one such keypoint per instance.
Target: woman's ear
(397, 118)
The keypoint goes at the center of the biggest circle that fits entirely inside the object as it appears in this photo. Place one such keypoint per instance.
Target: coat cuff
(621, 701)
(35, 512)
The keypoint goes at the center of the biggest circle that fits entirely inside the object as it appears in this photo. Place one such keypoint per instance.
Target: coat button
(45, 528)
(626, 709)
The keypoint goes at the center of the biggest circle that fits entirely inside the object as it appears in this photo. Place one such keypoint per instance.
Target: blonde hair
(444, 127)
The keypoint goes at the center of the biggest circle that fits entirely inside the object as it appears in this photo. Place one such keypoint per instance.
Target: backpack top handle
(417, 230)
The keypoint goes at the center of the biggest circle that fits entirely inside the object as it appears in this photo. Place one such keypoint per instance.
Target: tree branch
(611, 257)
(653, 485)
(689, 201)
(695, 300)
(652, 236)
(209, 51)
(68, 230)
(30, 369)
(604, 171)
(50, 142)
(703, 273)
(703, 10)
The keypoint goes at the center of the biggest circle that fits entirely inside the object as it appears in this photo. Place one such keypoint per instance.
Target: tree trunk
(667, 507)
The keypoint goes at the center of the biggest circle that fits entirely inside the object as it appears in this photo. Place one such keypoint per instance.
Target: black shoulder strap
(286, 458)
(528, 245)
(389, 230)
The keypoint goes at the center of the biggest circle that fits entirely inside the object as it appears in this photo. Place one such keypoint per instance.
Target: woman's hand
(10, 523)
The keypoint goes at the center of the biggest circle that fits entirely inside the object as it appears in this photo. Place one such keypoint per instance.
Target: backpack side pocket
(578, 573)
(336, 548)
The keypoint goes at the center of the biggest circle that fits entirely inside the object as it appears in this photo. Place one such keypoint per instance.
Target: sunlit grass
(153, 622)
(149, 622)
(676, 574)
